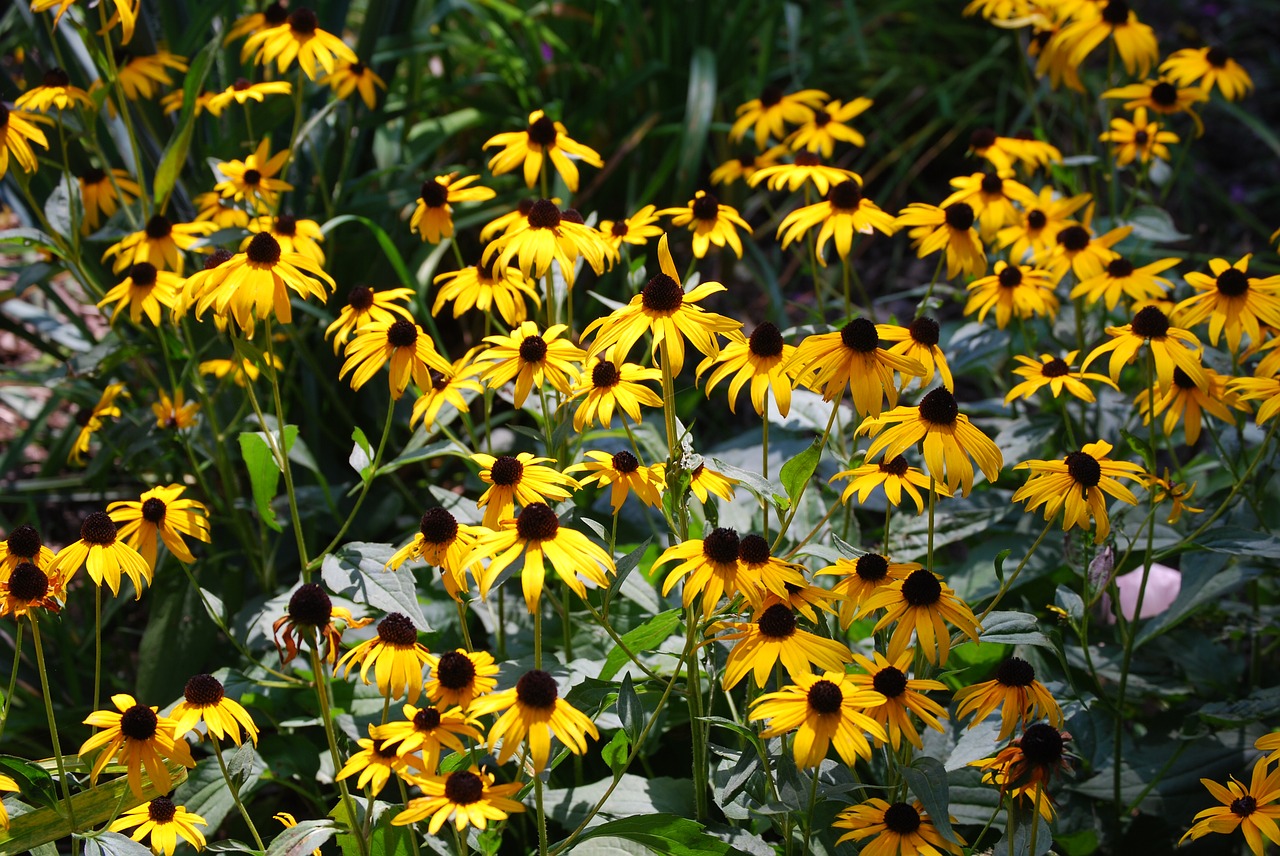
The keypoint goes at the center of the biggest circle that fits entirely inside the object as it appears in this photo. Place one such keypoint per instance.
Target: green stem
(235, 794)
(813, 803)
(226, 631)
(795, 503)
(537, 635)
(1008, 583)
(97, 645)
(700, 773)
(542, 816)
(63, 780)
(933, 501)
(13, 678)
(283, 454)
(764, 465)
(937, 271)
(321, 684)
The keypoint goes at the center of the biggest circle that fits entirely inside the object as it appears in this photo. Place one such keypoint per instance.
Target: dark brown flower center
(252, 177)
(897, 467)
(983, 138)
(924, 331)
(544, 215)
(153, 511)
(860, 335)
(397, 630)
(625, 462)
(1042, 745)
(765, 341)
(807, 159)
(28, 583)
(139, 722)
(1232, 282)
(1010, 276)
(310, 606)
(921, 588)
(872, 567)
(360, 298)
(402, 334)
(572, 215)
(753, 549)
(438, 526)
(537, 689)
(287, 225)
(1115, 13)
(1015, 672)
(1164, 94)
(959, 216)
(161, 810)
(846, 195)
(1217, 57)
(1083, 468)
(619, 229)
(263, 249)
(777, 622)
(506, 470)
(203, 691)
(24, 542)
(770, 96)
(1150, 323)
(143, 274)
(939, 407)
(241, 84)
(890, 682)
(542, 131)
(1073, 239)
(706, 207)
(902, 818)
(1119, 268)
(825, 697)
(303, 22)
(1141, 137)
(661, 294)
(1182, 380)
(721, 546)
(463, 788)
(605, 375)
(55, 77)
(427, 719)
(356, 68)
(455, 671)
(438, 380)
(1036, 219)
(93, 175)
(383, 750)
(537, 522)
(533, 349)
(218, 257)
(434, 194)
(1056, 367)
(1244, 806)
(992, 184)
(98, 528)
(158, 227)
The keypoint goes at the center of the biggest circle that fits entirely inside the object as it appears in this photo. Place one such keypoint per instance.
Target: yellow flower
(366, 306)
(903, 696)
(991, 197)
(862, 577)
(1037, 231)
(624, 473)
(921, 602)
(444, 542)
(395, 655)
(174, 414)
(165, 822)
(951, 229)
(1013, 290)
(1231, 300)
(253, 179)
(354, 76)
(1137, 140)
(173, 102)
(533, 709)
(1188, 402)
(1211, 66)
(635, 230)
(1171, 347)
(136, 737)
(91, 421)
(1055, 373)
(1264, 389)
(255, 284)
(103, 555)
(140, 75)
(705, 481)
(243, 91)
(714, 570)
(805, 166)
(447, 388)
(126, 14)
(425, 730)
(609, 386)
(401, 345)
(853, 358)
(309, 618)
(898, 828)
(711, 223)
(764, 360)
(160, 242)
(467, 797)
(1031, 760)
(745, 166)
(240, 371)
(545, 235)
(829, 125)
(54, 92)
(1178, 494)
(272, 15)
(543, 138)
(1250, 809)
(159, 514)
(25, 587)
(23, 544)
(433, 216)
(520, 479)
(1015, 690)
(919, 341)
(204, 698)
(375, 762)
(459, 677)
(1162, 97)
(1076, 249)
(1120, 277)
(144, 290)
(1004, 152)
(483, 287)
(1134, 40)
(772, 638)
(98, 193)
(844, 212)
(770, 113)
(1076, 485)
(821, 709)
(530, 357)
(292, 234)
(894, 475)
(223, 213)
(300, 38)
(9, 785)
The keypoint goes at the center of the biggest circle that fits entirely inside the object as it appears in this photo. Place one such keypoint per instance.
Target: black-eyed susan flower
(530, 358)
(821, 710)
(903, 696)
(174, 101)
(899, 827)
(253, 180)
(536, 534)
(255, 284)
(459, 677)
(1031, 760)
(23, 544)
(610, 386)
(705, 482)
(204, 699)
(713, 570)
(828, 126)
(349, 77)
(948, 437)
(504, 223)
(862, 577)
(144, 290)
(1037, 230)
(1210, 67)
(1021, 794)
(545, 235)
(366, 306)
(769, 114)
(1269, 743)
(533, 709)
(7, 785)
(98, 193)
(1231, 300)
(443, 542)
(1138, 140)
(1121, 279)
(176, 413)
(467, 797)
(1259, 388)
(764, 359)
(808, 599)
(919, 341)
(895, 475)
(623, 474)
(1015, 692)
(165, 822)
(1078, 250)
(1076, 484)
(239, 372)
(447, 389)
(300, 38)
(223, 213)
(1251, 809)
(136, 736)
(242, 91)
(950, 230)
(395, 655)
(141, 76)
(664, 309)
(293, 234)
(1134, 41)
(991, 197)
(711, 222)
(520, 478)
(805, 167)
(773, 637)
(92, 420)
(55, 92)
(1055, 373)
(401, 345)
(635, 230)
(1183, 401)
(1177, 493)
(160, 242)
(852, 358)
(1004, 152)
(161, 514)
(1013, 290)
(744, 167)
(768, 573)
(309, 618)
(103, 555)
(376, 762)
(272, 15)
(433, 215)
(844, 212)
(25, 587)
(1171, 347)
(484, 287)
(424, 730)
(921, 602)
(542, 139)
(1160, 96)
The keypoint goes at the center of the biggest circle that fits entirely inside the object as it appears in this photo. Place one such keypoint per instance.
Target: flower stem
(53, 729)
(700, 774)
(813, 803)
(321, 683)
(97, 645)
(542, 815)
(283, 454)
(235, 794)
(764, 465)
(1008, 584)
(13, 678)
(795, 503)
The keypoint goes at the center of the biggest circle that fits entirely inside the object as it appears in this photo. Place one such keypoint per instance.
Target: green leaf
(357, 571)
(361, 457)
(630, 710)
(35, 783)
(624, 566)
(1069, 602)
(114, 844)
(646, 637)
(264, 470)
(700, 103)
(177, 637)
(175, 153)
(796, 472)
(928, 781)
(1154, 224)
(1013, 628)
(1260, 704)
(1000, 560)
(1017, 834)
(615, 752)
(665, 833)
(30, 238)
